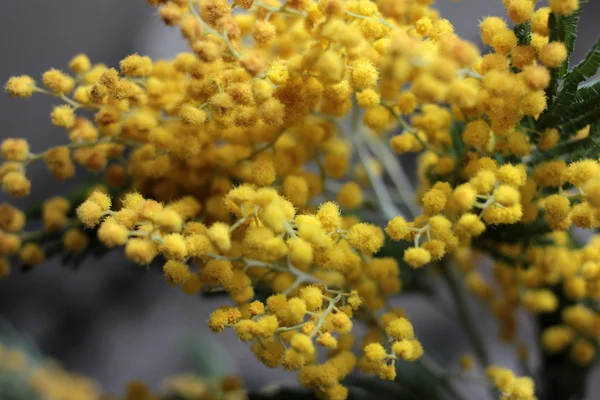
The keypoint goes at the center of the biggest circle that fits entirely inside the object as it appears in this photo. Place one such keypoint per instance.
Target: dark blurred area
(110, 319)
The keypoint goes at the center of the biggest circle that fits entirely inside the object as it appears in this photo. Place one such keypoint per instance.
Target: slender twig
(280, 10)
(434, 369)
(380, 20)
(75, 145)
(460, 300)
(429, 365)
(223, 36)
(243, 220)
(411, 130)
(467, 377)
(404, 187)
(37, 235)
(262, 148)
(325, 313)
(64, 98)
(384, 199)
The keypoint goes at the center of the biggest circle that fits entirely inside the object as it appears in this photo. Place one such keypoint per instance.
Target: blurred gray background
(111, 320)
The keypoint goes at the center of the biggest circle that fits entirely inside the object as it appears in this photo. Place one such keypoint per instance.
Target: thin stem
(281, 342)
(251, 263)
(380, 20)
(243, 220)
(138, 233)
(289, 229)
(322, 172)
(290, 328)
(75, 145)
(460, 300)
(467, 377)
(407, 127)
(329, 308)
(434, 369)
(420, 232)
(223, 36)
(302, 275)
(262, 148)
(69, 101)
(293, 286)
(63, 97)
(400, 120)
(404, 187)
(464, 72)
(384, 199)
(36, 235)
(335, 186)
(283, 9)
(430, 366)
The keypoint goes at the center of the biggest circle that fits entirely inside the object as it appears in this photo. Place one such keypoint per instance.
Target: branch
(458, 296)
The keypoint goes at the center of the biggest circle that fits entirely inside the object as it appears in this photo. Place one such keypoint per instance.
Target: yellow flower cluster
(582, 176)
(47, 380)
(404, 346)
(186, 387)
(50, 381)
(257, 158)
(510, 386)
(300, 256)
(573, 273)
(191, 387)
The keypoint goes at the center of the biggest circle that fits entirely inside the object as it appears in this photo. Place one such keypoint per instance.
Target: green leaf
(589, 92)
(282, 394)
(563, 378)
(363, 387)
(586, 68)
(523, 32)
(12, 337)
(413, 280)
(211, 357)
(556, 34)
(413, 385)
(569, 35)
(585, 109)
(496, 255)
(585, 118)
(563, 29)
(419, 381)
(574, 150)
(533, 232)
(95, 249)
(574, 108)
(14, 386)
(458, 145)
(559, 107)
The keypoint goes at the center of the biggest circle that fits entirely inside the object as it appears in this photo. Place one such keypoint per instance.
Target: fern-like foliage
(523, 32)
(571, 99)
